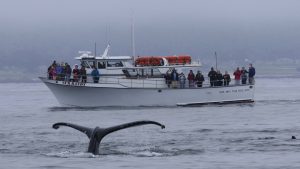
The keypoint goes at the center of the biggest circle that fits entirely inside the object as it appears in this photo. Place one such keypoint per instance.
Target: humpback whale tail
(96, 135)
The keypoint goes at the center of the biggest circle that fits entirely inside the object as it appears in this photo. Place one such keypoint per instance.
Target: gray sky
(38, 31)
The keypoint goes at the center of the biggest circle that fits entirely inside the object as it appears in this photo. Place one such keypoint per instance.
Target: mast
(107, 33)
(216, 60)
(132, 37)
(95, 50)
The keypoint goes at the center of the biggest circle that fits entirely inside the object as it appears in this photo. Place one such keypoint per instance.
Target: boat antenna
(132, 36)
(107, 34)
(216, 56)
(95, 49)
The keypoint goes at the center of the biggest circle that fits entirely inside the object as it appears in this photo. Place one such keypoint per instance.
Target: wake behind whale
(97, 134)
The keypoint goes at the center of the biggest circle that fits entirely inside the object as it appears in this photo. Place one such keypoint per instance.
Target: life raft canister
(184, 60)
(158, 60)
(172, 60)
(149, 61)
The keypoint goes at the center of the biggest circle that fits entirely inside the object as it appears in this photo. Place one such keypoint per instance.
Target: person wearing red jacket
(237, 76)
(191, 78)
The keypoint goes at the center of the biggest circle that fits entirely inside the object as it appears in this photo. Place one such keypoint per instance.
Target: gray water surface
(254, 135)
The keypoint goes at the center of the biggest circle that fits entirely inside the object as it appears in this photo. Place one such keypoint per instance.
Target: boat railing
(123, 81)
(133, 83)
(138, 82)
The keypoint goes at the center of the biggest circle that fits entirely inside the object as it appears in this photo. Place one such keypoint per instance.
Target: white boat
(144, 92)
(123, 83)
(148, 89)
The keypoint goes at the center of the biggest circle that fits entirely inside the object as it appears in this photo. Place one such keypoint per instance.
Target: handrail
(135, 82)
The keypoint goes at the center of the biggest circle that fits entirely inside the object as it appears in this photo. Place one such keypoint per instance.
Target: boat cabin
(107, 65)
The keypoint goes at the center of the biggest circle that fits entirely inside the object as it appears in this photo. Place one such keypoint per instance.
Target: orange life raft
(158, 60)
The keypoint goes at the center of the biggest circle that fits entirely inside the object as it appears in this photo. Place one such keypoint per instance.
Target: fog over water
(34, 32)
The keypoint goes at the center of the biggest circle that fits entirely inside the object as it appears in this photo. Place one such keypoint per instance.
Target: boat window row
(101, 64)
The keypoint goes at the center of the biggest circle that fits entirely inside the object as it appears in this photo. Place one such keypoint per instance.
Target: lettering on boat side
(234, 91)
(72, 83)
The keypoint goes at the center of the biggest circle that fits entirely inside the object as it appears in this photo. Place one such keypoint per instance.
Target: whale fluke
(86, 130)
(96, 135)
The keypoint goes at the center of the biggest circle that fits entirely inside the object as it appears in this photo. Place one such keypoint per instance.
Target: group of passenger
(240, 76)
(173, 78)
(64, 72)
(216, 78)
(244, 75)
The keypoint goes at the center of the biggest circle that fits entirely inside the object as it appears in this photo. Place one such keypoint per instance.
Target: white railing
(135, 82)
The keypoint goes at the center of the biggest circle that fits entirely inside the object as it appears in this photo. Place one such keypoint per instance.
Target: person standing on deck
(212, 76)
(83, 75)
(237, 76)
(68, 73)
(168, 77)
(175, 79)
(75, 74)
(191, 78)
(244, 75)
(95, 74)
(199, 79)
(219, 78)
(58, 70)
(251, 74)
(182, 80)
(226, 78)
(63, 71)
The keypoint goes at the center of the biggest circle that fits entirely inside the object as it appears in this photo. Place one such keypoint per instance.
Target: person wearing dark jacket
(83, 74)
(226, 78)
(168, 78)
(212, 76)
(244, 75)
(75, 73)
(219, 79)
(68, 73)
(174, 78)
(199, 79)
(251, 74)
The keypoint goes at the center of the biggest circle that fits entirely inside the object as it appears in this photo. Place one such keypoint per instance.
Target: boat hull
(95, 96)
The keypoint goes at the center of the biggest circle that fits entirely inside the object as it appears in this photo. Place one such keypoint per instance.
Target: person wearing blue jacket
(95, 74)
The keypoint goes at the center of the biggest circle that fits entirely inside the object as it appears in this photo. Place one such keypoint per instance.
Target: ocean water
(253, 135)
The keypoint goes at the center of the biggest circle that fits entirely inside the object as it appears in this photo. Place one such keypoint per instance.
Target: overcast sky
(42, 30)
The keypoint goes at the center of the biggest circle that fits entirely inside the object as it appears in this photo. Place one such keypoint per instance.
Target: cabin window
(142, 73)
(101, 65)
(87, 64)
(114, 64)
